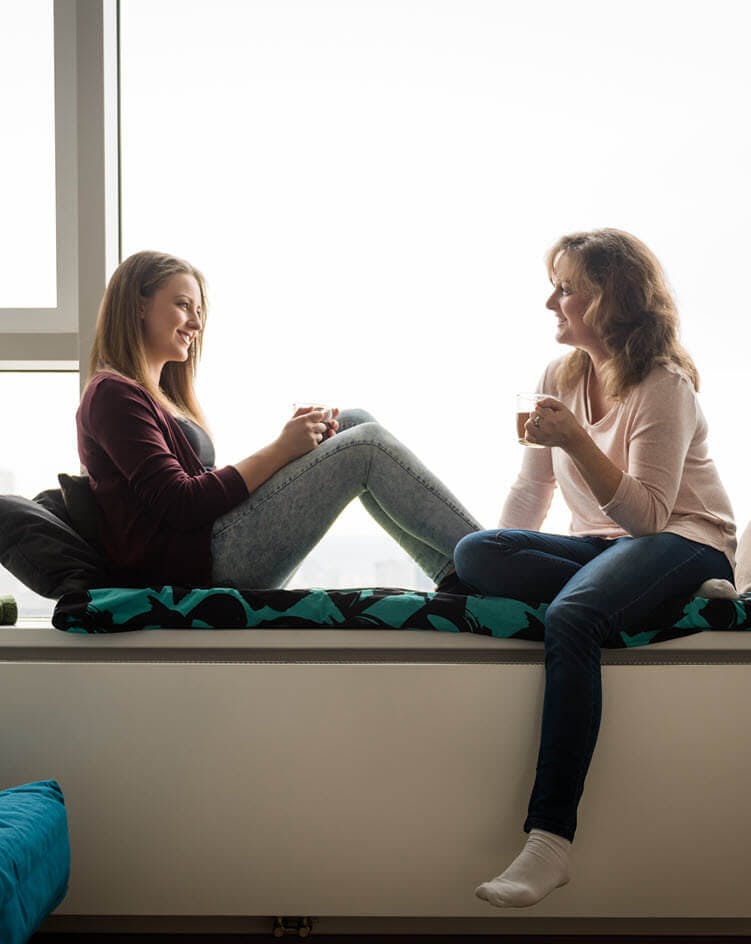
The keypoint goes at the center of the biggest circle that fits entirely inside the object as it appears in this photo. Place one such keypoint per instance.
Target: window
(27, 160)
(39, 441)
(371, 188)
(40, 161)
(59, 167)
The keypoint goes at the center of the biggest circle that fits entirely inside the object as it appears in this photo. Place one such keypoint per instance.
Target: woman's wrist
(577, 442)
(259, 467)
(278, 453)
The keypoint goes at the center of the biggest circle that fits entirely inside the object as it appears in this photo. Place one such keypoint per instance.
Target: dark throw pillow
(44, 552)
(84, 513)
(52, 499)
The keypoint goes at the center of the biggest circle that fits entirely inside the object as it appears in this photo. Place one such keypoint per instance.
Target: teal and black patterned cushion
(119, 610)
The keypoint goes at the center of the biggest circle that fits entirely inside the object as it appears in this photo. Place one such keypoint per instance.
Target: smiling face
(172, 318)
(569, 303)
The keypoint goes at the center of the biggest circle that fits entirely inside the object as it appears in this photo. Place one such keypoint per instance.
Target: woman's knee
(368, 433)
(477, 555)
(480, 547)
(354, 417)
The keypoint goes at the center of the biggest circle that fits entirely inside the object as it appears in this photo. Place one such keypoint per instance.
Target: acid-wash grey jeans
(263, 541)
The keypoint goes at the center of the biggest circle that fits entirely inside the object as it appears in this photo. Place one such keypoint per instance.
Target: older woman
(626, 442)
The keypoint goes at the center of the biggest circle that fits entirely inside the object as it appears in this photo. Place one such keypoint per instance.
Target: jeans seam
(585, 763)
(697, 553)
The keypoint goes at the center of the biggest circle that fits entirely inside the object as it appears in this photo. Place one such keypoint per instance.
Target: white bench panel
(382, 790)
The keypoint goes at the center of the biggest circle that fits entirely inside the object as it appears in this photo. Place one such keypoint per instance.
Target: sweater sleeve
(529, 498)
(124, 423)
(662, 432)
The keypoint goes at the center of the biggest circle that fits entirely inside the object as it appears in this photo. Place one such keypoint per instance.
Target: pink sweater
(658, 436)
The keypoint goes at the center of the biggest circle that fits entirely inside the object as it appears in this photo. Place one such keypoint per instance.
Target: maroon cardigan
(158, 502)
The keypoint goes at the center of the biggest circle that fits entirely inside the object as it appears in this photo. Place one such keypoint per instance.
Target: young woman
(171, 517)
(650, 520)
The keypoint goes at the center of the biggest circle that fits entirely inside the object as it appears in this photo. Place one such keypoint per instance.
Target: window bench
(364, 776)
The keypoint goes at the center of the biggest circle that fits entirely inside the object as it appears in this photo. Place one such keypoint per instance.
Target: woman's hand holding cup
(308, 428)
(329, 416)
(305, 431)
(542, 421)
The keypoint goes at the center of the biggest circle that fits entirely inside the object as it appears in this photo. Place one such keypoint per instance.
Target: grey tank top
(199, 440)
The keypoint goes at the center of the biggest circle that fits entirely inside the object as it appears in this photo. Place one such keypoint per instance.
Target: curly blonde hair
(119, 339)
(631, 309)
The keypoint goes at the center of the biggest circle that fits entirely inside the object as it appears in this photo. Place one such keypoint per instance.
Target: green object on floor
(8, 611)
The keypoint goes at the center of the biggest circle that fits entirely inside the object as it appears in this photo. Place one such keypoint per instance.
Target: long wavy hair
(119, 340)
(631, 309)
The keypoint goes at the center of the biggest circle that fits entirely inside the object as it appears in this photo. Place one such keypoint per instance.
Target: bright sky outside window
(39, 436)
(27, 157)
(371, 188)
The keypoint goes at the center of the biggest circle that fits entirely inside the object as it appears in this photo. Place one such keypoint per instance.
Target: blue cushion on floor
(34, 857)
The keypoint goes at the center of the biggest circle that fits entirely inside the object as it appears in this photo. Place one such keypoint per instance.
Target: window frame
(87, 192)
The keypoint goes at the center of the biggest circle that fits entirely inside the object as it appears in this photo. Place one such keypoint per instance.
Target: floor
(380, 939)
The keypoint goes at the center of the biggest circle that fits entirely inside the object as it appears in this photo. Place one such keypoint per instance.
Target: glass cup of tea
(525, 407)
(328, 412)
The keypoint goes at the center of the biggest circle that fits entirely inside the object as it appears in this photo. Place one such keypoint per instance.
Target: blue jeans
(263, 541)
(595, 587)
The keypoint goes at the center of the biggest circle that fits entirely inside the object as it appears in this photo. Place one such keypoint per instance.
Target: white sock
(717, 589)
(541, 867)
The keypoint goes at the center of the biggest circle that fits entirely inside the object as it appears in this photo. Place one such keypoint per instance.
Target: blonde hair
(119, 340)
(631, 309)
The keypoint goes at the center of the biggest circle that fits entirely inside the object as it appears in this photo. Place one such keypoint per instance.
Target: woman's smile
(172, 318)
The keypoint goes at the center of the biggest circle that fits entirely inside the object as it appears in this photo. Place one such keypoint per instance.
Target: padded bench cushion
(34, 857)
(116, 610)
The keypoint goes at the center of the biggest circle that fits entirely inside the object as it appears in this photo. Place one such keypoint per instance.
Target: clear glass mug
(328, 414)
(525, 407)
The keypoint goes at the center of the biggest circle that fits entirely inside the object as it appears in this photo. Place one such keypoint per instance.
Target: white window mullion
(98, 161)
